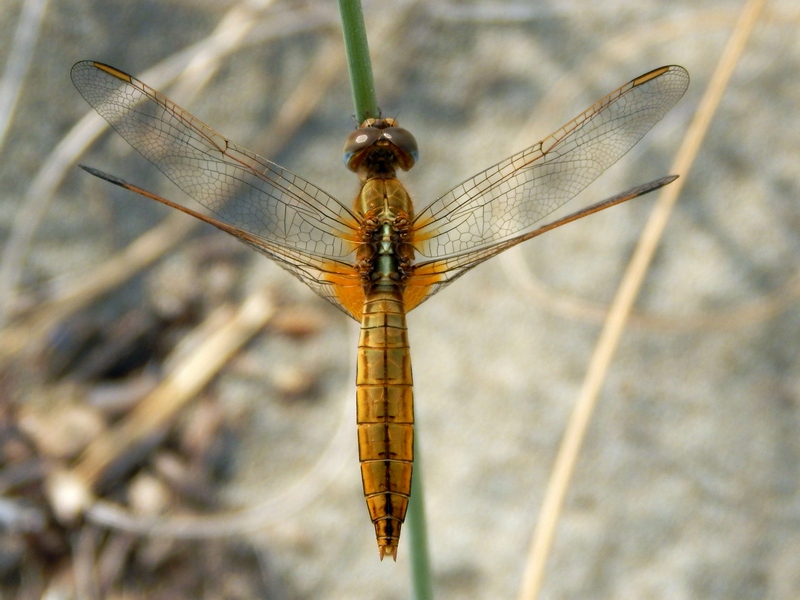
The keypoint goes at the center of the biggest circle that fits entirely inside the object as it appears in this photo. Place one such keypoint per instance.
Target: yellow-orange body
(384, 398)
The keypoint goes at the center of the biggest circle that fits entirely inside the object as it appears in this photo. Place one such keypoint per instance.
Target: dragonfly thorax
(386, 210)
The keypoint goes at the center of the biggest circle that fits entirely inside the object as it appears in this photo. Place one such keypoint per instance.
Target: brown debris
(141, 441)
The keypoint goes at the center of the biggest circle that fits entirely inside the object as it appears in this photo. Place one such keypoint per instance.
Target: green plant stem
(357, 51)
(418, 533)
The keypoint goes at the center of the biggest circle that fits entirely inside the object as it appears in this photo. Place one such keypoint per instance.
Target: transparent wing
(239, 187)
(431, 276)
(335, 280)
(509, 198)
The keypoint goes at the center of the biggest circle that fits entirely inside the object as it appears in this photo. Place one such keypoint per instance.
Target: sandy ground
(688, 486)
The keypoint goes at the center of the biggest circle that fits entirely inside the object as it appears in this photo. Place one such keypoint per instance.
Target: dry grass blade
(228, 331)
(622, 305)
(25, 37)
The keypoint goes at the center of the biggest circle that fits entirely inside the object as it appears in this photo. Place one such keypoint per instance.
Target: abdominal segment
(385, 414)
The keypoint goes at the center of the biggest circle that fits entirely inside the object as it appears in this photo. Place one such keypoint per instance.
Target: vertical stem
(418, 533)
(357, 50)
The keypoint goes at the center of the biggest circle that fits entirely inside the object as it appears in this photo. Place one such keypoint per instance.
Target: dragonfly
(379, 257)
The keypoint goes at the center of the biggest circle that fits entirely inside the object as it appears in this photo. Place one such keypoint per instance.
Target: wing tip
(111, 71)
(83, 65)
(655, 73)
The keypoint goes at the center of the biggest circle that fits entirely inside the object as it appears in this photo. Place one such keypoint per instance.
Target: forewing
(511, 197)
(239, 187)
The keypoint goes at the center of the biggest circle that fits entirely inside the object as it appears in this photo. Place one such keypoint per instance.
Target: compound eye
(358, 140)
(405, 142)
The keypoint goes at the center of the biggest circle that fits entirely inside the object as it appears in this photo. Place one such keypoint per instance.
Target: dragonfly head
(380, 146)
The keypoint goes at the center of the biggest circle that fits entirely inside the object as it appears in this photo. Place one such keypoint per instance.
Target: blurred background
(688, 482)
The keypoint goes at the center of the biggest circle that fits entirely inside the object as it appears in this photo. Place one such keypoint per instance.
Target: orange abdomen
(385, 414)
